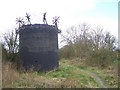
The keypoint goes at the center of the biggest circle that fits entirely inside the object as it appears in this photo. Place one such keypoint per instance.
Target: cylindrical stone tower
(38, 47)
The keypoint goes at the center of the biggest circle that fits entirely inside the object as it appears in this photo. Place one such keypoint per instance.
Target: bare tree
(100, 39)
(83, 39)
(97, 38)
(11, 43)
(110, 41)
(77, 33)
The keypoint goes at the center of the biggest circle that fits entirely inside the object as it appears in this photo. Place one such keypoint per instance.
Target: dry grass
(13, 79)
(68, 76)
(9, 74)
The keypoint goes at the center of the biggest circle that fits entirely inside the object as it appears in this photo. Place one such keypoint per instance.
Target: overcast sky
(72, 12)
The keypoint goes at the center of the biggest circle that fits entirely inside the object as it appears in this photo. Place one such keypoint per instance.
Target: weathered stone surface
(39, 47)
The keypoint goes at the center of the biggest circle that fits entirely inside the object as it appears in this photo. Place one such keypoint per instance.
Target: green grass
(110, 78)
(68, 75)
(72, 72)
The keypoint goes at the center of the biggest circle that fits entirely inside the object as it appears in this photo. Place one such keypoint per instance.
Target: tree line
(94, 45)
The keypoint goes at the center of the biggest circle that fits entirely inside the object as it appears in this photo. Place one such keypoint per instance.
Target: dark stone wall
(38, 47)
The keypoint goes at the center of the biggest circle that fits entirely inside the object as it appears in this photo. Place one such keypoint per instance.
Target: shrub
(101, 58)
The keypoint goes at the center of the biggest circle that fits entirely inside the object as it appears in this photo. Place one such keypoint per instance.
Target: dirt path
(96, 77)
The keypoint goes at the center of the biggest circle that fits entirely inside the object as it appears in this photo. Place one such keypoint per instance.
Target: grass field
(69, 75)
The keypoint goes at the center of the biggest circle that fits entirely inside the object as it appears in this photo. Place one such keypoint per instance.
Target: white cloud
(71, 12)
(11, 9)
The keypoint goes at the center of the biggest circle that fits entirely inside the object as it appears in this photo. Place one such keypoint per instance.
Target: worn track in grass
(96, 77)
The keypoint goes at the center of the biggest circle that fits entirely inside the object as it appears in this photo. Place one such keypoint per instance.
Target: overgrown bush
(101, 58)
(93, 45)
(66, 52)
